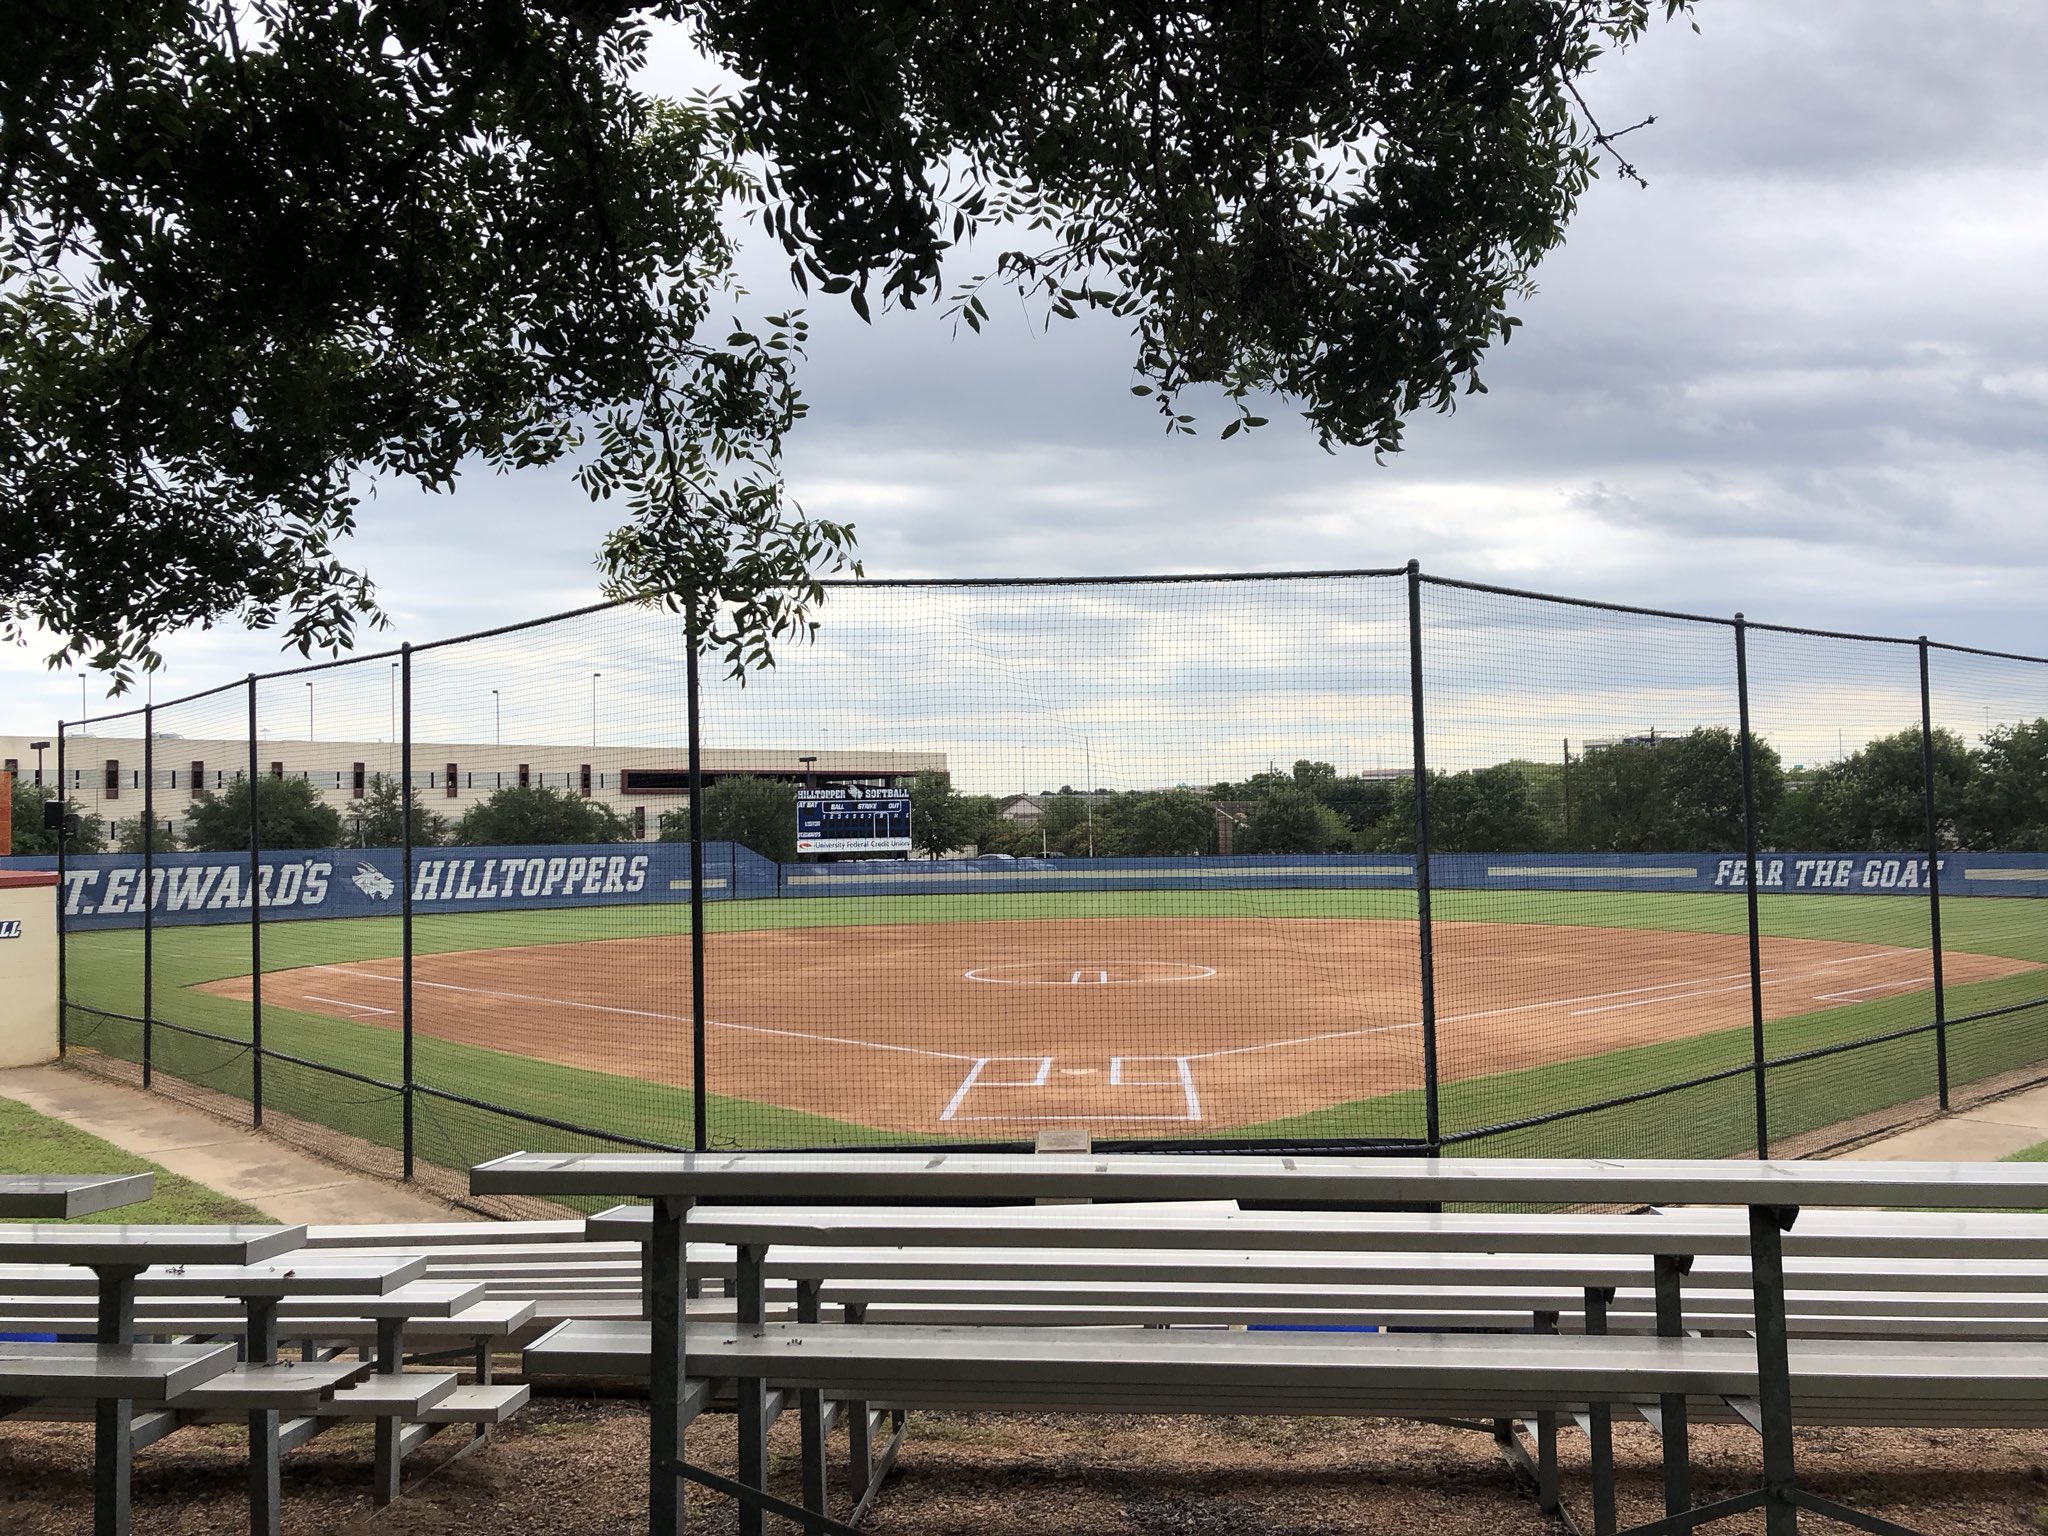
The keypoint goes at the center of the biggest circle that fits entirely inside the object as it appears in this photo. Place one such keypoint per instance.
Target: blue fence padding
(104, 890)
(989, 876)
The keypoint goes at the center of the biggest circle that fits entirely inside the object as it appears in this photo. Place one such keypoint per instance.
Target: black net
(1991, 786)
(1843, 888)
(551, 926)
(1151, 888)
(1136, 859)
(1582, 761)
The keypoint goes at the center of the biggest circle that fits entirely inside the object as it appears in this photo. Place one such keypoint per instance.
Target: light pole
(393, 737)
(309, 711)
(497, 719)
(84, 709)
(40, 747)
(593, 706)
(810, 778)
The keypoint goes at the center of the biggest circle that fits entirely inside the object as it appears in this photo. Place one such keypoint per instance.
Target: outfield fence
(1360, 860)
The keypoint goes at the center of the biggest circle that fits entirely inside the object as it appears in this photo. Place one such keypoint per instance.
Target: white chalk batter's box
(1043, 1089)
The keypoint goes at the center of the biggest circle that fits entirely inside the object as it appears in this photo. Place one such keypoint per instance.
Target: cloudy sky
(1804, 374)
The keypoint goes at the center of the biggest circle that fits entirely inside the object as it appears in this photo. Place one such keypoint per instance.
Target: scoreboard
(852, 821)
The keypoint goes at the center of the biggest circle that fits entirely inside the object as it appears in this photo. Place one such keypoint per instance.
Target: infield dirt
(994, 1028)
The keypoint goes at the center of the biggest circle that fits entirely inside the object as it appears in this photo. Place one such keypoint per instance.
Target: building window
(277, 770)
(356, 782)
(452, 769)
(640, 821)
(586, 781)
(523, 776)
(198, 779)
(113, 779)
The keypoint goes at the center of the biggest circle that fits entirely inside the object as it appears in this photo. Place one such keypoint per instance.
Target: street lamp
(810, 778)
(39, 748)
(309, 711)
(497, 718)
(593, 706)
(84, 709)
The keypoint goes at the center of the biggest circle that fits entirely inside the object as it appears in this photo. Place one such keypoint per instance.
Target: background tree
(1481, 810)
(128, 837)
(2006, 805)
(289, 814)
(980, 825)
(515, 817)
(1873, 798)
(756, 813)
(1168, 824)
(377, 821)
(254, 256)
(1288, 819)
(30, 836)
(1672, 794)
(938, 820)
(1363, 803)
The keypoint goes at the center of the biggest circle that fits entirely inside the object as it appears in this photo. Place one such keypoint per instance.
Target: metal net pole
(1426, 938)
(700, 1126)
(1749, 841)
(255, 927)
(148, 890)
(405, 898)
(63, 902)
(1933, 878)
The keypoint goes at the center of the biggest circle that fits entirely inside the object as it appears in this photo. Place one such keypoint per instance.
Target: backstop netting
(1360, 861)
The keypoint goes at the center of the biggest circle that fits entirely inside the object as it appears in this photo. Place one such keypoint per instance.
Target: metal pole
(1749, 838)
(700, 1129)
(148, 891)
(1426, 938)
(668, 1325)
(255, 927)
(63, 902)
(1675, 1429)
(405, 892)
(1767, 1227)
(1933, 878)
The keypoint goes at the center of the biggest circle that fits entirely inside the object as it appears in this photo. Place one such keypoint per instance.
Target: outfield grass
(105, 974)
(35, 1143)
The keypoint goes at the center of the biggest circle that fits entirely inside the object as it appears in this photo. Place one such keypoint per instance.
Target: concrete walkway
(285, 1184)
(1980, 1135)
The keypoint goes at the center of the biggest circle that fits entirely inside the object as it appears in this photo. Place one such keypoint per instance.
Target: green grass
(104, 974)
(2037, 1153)
(35, 1143)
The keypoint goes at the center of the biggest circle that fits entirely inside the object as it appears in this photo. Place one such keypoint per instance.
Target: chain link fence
(1362, 860)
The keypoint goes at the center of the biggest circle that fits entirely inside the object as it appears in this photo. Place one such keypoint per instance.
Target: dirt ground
(575, 1467)
(1135, 1025)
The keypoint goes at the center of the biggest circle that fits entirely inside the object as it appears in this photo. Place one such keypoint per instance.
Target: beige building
(103, 774)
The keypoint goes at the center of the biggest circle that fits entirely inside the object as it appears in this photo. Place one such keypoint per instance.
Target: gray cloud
(1800, 375)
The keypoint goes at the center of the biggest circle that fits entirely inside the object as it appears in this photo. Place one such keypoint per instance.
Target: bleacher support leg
(1600, 1425)
(1767, 1227)
(860, 1442)
(1547, 1500)
(113, 1426)
(752, 1391)
(1671, 1272)
(266, 1478)
(668, 1279)
(811, 1413)
(389, 1454)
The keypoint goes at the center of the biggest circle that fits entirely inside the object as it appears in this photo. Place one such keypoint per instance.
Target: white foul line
(643, 1013)
(342, 1002)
